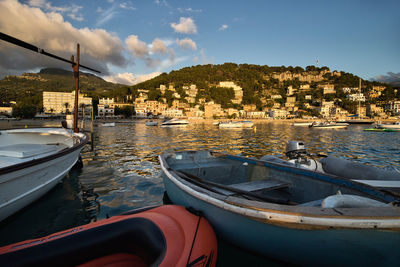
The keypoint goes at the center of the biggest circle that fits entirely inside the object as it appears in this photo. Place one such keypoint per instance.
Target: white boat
(175, 122)
(33, 161)
(329, 125)
(394, 126)
(236, 124)
(305, 124)
(108, 124)
(151, 123)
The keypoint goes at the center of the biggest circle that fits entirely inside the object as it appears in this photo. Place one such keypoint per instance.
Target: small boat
(159, 236)
(303, 124)
(151, 123)
(175, 122)
(33, 161)
(328, 125)
(392, 126)
(108, 124)
(381, 130)
(236, 124)
(286, 212)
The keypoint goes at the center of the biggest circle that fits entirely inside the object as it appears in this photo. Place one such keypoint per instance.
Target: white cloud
(71, 11)
(127, 5)
(129, 78)
(185, 25)
(50, 32)
(223, 27)
(106, 15)
(137, 47)
(158, 46)
(182, 10)
(186, 44)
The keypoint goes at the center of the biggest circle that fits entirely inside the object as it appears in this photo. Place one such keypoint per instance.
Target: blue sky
(130, 41)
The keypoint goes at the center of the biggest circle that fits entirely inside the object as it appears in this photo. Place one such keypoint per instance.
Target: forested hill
(28, 87)
(257, 81)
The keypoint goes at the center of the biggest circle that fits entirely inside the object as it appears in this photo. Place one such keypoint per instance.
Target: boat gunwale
(83, 140)
(295, 216)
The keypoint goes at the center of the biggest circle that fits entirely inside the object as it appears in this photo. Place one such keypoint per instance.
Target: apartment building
(62, 102)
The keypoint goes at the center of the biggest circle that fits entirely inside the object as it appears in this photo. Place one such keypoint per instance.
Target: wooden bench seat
(252, 186)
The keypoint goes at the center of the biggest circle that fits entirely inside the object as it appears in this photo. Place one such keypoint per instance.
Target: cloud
(137, 47)
(71, 11)
(186, 44)
(50, 32)
(127, 5)
(223, 27)
(189, 10)
(389, 78)
(158, 46)
(130, 79)
(106, 15)
(185, 25)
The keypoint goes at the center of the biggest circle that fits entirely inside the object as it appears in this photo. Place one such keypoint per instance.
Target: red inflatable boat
(163, 236)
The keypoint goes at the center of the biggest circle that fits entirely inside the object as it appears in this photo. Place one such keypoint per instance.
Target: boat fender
(353, 170)
(351, 201)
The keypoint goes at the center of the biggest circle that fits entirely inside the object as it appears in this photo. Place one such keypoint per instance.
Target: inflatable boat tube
(163, 236)
(353, 170)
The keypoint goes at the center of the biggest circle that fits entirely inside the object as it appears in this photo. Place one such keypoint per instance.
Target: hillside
(31, 85)
(258, 83)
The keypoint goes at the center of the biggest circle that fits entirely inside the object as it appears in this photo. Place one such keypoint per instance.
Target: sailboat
(357, 118)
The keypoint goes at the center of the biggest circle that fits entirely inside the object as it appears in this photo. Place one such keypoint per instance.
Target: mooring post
(75, 68)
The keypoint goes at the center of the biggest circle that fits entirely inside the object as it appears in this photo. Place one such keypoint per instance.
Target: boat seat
(256, 185)
(26, 150)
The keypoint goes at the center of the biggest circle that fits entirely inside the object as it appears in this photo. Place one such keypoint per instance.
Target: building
(62, 102)
(356, 97)
(277, 113)
(393, 106)
(6, 110)
(328, 88)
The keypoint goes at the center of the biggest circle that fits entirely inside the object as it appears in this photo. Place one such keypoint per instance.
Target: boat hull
(298, 246)
(157, 236)
(22, 187)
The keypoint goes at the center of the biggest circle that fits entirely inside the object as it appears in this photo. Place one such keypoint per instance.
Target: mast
(75, 68)
(359, 99)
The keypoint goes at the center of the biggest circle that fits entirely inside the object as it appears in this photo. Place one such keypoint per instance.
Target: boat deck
(19, 153)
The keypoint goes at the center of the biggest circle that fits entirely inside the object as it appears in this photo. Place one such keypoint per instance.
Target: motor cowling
(295, 149)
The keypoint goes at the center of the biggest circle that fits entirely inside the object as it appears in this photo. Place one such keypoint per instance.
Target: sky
(130, 41)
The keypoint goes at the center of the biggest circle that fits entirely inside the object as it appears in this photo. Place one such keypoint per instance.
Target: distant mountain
(18, 88)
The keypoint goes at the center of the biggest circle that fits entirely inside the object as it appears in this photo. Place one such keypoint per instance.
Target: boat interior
(18, 146)
(252, 179)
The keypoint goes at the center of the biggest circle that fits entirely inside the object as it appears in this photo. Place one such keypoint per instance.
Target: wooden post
(75, 68)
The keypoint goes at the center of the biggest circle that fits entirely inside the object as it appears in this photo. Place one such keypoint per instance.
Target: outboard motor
(297, 154)
(295, 149)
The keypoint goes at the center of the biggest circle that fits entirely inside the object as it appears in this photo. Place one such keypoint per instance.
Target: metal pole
(76, 76)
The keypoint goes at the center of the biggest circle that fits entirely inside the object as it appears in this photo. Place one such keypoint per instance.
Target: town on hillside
(298, 94)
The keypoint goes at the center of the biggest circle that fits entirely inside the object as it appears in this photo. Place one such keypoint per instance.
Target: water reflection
(123, 171)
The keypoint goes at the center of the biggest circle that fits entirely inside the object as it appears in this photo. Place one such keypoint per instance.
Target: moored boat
(161, 236)
(236, 124)
(33, 161)
(328, 125)
(286, 212)
(175, 122)
(392, 126)
(151, 123)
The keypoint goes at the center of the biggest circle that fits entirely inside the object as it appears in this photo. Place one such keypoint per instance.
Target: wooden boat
(236, 124)
(328, 125)
(33, 161)
(286, 212)
(161, 236)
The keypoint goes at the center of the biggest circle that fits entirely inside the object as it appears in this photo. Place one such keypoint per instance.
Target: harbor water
(123, 172)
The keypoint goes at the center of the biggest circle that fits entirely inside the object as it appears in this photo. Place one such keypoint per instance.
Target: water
(123, 172)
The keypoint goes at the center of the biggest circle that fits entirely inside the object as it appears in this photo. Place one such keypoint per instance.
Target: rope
(194, 237)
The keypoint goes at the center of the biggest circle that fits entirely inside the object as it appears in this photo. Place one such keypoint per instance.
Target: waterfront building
(278, 113)
(63, 102)
(172, 112)
(393, 106)
(255, 114)
(249, 107)
(373, 109)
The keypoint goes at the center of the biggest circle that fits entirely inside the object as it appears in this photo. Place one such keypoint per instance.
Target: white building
(393, 106)
(356, 97)
(278, 113)
(61, 102)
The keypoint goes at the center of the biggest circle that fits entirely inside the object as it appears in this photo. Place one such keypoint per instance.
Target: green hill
(31, 85)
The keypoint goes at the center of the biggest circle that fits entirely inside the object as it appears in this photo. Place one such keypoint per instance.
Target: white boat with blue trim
(283, 211)
(33, 161)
